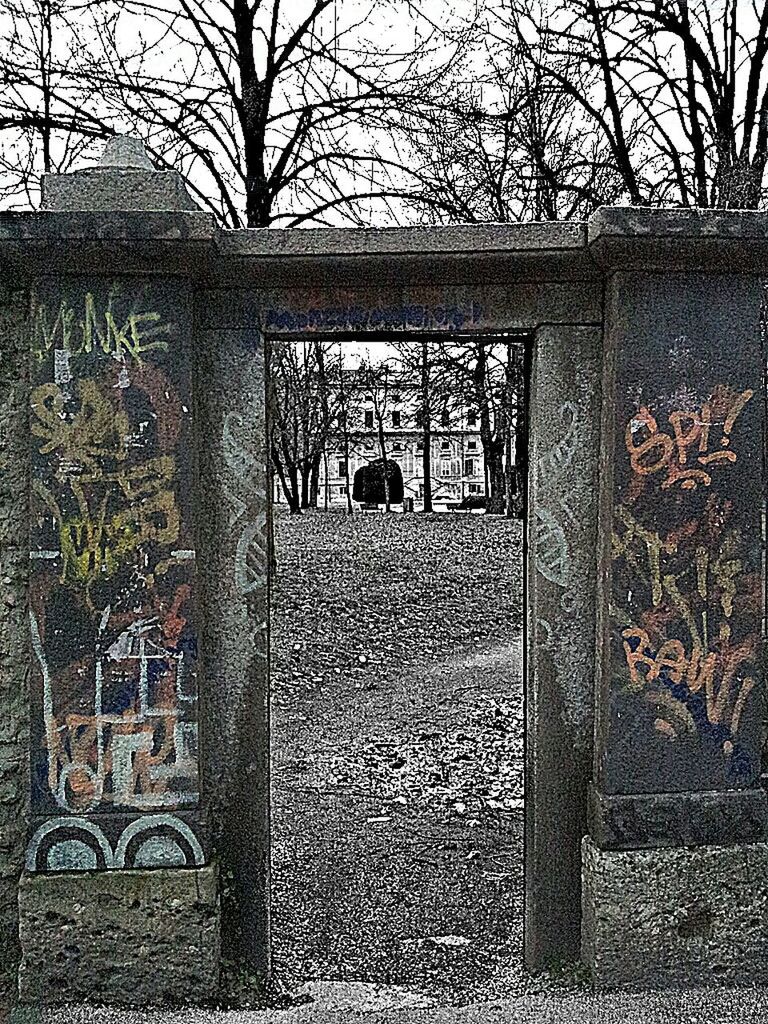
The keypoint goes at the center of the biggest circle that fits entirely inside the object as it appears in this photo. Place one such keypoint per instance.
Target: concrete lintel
(644, 238)
(400, 241)
(135, 240)
(442, 255)
(675, 917)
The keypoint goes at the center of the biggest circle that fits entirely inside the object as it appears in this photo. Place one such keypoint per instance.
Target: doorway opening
(398, 495)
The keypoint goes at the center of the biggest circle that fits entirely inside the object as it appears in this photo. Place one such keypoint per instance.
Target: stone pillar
(118, 857)
(675, 866)
(564, 418)
(232, 457)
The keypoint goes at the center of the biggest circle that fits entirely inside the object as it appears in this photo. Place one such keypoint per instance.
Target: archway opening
(398, 493)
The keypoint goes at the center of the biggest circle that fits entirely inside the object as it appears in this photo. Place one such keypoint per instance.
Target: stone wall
(14, 526)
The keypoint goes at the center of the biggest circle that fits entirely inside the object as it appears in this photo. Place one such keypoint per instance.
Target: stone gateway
(134, 547)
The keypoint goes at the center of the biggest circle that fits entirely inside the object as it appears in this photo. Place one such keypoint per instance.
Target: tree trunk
(314, 480)
(344, 423)
(290, 483)
(738, 184)
(346, 474)
(383, 449)
(426, 427)
(498, 480)
(492, 450)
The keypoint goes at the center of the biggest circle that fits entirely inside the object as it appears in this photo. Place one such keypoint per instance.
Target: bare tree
(557, 108)
(347, 382)
(477, 370)
(498, 139)
(681, 93)
(422, 360)
(275, 113)
(302, 406)
(48, 120)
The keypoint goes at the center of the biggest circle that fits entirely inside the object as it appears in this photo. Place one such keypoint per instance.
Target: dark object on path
(368, 485)
(473, 502)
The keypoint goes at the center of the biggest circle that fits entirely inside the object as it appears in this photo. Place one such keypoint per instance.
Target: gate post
(675, 869)
(564, 417)
(119, 900)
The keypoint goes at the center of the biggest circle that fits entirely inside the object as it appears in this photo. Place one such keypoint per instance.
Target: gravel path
(397, 753)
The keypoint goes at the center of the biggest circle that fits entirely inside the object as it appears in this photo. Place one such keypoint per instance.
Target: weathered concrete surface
(676, 917)
(623, 237)
(116, 190)
(564, 421)
(73, 924)
(229, 383)
(638, 820)
(397, 307)
(124, 179)
(14, 632)
(681, 706)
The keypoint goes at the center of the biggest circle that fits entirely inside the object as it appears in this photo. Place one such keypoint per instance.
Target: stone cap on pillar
(123, 180)
(679, 239)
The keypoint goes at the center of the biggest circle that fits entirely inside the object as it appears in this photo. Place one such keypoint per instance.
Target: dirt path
(397, 810)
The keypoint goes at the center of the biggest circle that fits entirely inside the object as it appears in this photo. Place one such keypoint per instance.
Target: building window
(445, 446)
(397, 447)
(445, 419)
(396, 399)
(419, 446)
(472, 445)
(342, 490)
(469, 467)
(342, 467)
(395, 417)
(369, 417)
(474, 488)
(471, 418)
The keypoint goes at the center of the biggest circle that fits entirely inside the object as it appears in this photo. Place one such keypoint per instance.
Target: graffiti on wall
(414, 316)
(687, 579)
(557, 543)
(112, 555)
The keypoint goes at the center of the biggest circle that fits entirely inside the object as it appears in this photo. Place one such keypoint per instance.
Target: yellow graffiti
(649, 554)
(95, 330)
(99, 539)
(95, 432)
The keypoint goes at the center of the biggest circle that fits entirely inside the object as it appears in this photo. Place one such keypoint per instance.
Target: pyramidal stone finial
(124, 153)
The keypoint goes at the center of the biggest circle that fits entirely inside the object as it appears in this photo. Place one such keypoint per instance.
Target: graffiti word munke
(690, 439)
(88, 329)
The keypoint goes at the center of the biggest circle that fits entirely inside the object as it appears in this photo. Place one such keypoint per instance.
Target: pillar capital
(123, 179)
(678, 240)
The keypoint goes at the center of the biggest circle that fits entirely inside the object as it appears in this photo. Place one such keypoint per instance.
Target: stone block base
(120, 937)
(675, 917)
